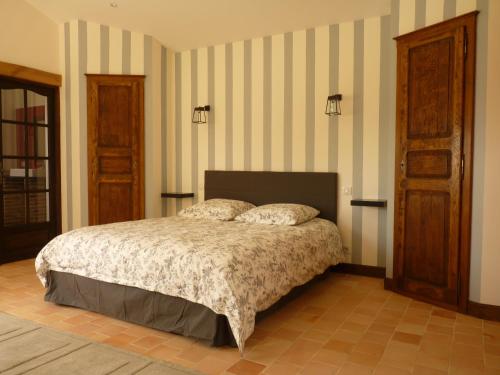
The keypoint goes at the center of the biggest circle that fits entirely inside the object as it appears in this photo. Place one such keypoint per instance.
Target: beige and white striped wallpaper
(87, 47)
(268, 98)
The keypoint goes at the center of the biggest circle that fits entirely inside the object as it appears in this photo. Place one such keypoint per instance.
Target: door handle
(402, 164)
(94, 169)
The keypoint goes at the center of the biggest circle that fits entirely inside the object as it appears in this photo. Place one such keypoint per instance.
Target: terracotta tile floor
(344, 325)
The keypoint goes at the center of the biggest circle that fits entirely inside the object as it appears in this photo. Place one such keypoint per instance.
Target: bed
(201, 278)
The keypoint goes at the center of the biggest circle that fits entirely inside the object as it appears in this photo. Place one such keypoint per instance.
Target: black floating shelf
(177, 195)
(369, 202)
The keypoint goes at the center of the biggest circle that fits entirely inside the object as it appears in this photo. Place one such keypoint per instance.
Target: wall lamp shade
(200, 114)
(333, 105)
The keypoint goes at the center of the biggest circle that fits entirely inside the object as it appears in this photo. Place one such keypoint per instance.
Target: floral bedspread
(234, 268)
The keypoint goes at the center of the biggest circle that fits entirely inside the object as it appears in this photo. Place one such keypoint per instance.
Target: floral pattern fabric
(217, 209)
(279, 214)
(234, 268)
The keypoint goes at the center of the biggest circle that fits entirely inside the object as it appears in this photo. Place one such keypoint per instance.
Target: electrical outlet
(347, 190)
(346, 252)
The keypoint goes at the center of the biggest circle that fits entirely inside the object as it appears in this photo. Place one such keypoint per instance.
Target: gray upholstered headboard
(315, 189)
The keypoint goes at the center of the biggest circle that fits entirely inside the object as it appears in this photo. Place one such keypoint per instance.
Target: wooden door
(434, 132)
(29, 168)
(115, 148)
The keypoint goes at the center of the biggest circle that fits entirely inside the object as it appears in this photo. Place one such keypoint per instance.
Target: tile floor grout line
(344, 299)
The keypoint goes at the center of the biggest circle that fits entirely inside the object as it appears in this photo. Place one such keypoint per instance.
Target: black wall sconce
(200, 114)
(333, 105)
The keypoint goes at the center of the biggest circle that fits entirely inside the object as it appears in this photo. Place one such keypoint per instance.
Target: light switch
(347, 190)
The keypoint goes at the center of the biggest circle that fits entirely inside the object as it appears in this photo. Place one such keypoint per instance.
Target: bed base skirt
(151, 309)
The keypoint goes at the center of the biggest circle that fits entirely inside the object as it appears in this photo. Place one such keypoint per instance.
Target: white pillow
(279, 214)
(218, 209)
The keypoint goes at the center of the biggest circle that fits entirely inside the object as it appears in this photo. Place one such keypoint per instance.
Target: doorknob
(402, 164)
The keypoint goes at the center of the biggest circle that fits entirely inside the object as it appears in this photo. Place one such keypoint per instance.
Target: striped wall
(408, 15)
(91, 48)
(268, 98)
(487, 264)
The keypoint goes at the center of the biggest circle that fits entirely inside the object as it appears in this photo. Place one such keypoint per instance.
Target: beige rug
(29, 348)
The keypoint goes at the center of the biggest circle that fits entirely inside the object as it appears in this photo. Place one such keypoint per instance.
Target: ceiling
(186, 24)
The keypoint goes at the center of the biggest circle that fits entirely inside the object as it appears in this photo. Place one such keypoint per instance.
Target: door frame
(469, 21)
(27, 75)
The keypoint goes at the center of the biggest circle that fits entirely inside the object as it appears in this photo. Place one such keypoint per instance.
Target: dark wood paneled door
(434, 132)
(115, 148)
(29, 168)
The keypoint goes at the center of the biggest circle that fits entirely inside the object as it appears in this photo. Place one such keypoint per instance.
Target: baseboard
(483, 311)
(479, 310)
(359, 269)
